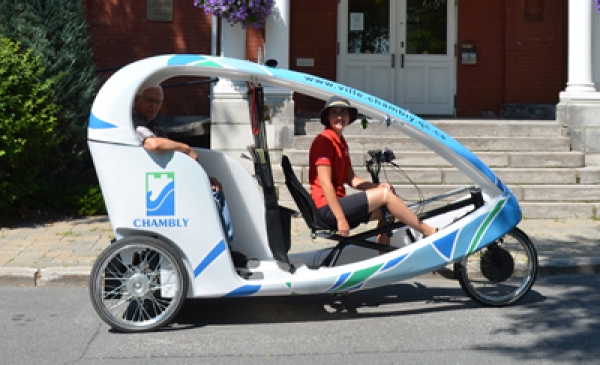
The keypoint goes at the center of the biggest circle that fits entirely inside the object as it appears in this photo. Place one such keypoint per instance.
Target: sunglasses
(338, 112)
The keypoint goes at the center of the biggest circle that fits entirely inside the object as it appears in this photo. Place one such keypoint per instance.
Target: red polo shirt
(328, 149)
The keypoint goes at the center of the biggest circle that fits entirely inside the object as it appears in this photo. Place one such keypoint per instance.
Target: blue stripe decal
(394, 262)
(340, 280)
(244, 291)
(356, 287)
(96, 123)
(184, 59)
(445, 245)
(212, 256)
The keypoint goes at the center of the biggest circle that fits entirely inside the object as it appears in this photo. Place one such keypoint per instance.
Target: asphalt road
(426, 320)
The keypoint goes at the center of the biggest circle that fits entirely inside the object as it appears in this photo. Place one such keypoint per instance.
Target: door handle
(402, 60)
(393, 60)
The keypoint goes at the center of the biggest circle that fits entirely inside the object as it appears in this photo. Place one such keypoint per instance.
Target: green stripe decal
(208, 64)
(359, 276)
(488, 220)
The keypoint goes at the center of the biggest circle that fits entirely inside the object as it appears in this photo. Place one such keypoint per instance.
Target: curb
(73, 276)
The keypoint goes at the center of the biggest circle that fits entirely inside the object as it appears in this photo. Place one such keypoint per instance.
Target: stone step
(561, 210)
(532, 157)
(536, 202)
(496, 159)
(523, 193)
(484, 144)
(430, 176)
(454, 127)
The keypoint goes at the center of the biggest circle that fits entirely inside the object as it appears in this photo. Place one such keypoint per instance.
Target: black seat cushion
(302, 198)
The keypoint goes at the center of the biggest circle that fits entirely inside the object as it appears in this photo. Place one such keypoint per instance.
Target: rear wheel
(501, 273)
(138, 284)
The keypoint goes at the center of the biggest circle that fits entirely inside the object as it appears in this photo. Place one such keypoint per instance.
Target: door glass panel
(426, 26)
(369, 26)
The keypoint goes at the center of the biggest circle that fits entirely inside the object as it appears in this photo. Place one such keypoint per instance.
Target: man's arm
(160, 145)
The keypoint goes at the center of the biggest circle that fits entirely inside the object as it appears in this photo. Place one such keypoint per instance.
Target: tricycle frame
(131, 177)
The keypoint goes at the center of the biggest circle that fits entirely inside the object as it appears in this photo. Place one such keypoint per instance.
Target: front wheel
(138, 284)
(501, 273)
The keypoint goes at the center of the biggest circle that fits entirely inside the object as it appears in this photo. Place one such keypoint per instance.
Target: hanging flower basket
(248, 13)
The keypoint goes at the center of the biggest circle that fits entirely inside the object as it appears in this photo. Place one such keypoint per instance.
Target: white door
(401, 51)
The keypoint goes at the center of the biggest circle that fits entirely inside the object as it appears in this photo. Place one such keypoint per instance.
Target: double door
(402, 51)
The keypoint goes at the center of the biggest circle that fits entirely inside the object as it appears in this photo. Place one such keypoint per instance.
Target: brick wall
(313, 34)
(536, 52)
(521, 48)
(480, 87)
(255, 38)
(121, 34)
(521, 54)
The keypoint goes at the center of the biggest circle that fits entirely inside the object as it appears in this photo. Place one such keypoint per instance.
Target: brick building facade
(521, 48)
(522, 59)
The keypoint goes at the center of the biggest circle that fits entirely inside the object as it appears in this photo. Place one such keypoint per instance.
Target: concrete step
(573, 201)
(523, 193)
(454, 127)
(532, 157)
(567, 159)
(484, 144)
(431, 176)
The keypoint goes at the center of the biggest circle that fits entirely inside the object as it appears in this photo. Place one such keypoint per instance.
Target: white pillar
(277, 34)
(280, 101)
(233, 45)
(229, 116)
(596, 47)
(229, 107)
(579, 103)
(580, 47)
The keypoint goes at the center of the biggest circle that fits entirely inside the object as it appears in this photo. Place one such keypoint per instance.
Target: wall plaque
(305, 62)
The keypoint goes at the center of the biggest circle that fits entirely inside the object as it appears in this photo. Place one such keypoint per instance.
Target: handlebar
(379, 156)
(376, 158)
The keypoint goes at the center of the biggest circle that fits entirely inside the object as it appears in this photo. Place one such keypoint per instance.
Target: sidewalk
(62, 253)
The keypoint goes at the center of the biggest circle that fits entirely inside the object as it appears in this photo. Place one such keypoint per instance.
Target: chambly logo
(160, 202)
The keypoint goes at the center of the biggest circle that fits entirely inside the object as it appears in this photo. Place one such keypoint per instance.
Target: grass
(68, 234)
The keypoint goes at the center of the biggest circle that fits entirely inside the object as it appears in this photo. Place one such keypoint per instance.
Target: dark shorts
(355, 207)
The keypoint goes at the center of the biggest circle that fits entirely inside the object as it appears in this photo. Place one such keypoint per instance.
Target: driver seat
(304, 201)
(319, 228)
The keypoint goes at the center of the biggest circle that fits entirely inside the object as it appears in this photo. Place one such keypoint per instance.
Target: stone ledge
(589, 175)
(528, 111)
(184, 125)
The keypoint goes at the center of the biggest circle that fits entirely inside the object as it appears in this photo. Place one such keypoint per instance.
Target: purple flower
(246, 12)
(597, 2)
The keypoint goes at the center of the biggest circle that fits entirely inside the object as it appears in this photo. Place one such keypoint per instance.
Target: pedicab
(169, 244)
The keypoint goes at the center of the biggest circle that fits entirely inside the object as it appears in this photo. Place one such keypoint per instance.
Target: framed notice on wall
(357, 22)
(160, 10)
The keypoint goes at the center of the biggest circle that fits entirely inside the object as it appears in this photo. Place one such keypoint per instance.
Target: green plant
(28, 140)
(78, 199)
(91, 202)
(56, 31)
(69, 234)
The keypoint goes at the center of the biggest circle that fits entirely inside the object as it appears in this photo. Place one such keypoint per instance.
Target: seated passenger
(330, 168)
(148, 101)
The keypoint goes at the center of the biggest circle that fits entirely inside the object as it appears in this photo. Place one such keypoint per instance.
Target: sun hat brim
(337, 102)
